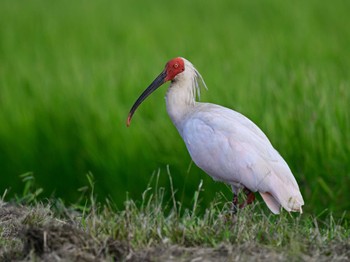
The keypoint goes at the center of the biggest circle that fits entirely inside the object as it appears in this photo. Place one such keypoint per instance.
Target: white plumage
(224, 143)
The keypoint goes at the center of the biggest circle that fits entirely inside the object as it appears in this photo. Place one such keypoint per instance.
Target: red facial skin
(174, 67)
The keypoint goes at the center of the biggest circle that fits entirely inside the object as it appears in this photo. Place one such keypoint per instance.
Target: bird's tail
(271, 202)
(291, 204)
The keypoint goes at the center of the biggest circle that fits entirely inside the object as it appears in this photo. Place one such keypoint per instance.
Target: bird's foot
(250, 198)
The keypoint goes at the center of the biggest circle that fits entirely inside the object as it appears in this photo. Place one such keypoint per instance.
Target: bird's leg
(234, 203)
(250, 198)
(235, 191)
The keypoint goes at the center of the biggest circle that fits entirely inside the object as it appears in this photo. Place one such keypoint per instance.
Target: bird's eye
(176, 66)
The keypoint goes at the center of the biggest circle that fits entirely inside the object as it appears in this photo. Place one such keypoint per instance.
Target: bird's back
(231, 148)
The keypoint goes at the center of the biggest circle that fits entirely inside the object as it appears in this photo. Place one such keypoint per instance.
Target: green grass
(70, 71)
(157, 228)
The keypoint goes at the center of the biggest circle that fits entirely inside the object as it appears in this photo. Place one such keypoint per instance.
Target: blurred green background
(70, 71)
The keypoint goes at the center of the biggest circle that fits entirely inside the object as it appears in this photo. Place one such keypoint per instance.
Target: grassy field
(161, 229)
(69, 72)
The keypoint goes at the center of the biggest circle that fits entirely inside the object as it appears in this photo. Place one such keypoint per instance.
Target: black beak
(155, 84)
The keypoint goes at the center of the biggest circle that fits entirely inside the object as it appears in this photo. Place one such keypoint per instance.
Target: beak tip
(128, 120)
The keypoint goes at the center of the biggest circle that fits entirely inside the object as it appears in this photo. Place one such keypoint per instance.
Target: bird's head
(172, 69)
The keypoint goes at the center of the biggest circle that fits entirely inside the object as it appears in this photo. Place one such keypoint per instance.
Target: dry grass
(158, 230)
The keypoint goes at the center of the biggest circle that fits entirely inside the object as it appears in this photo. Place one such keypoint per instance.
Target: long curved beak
(152, 87)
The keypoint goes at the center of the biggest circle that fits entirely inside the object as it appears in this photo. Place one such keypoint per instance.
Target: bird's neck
(180, 100)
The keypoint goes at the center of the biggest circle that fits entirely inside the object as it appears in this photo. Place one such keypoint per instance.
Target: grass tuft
(158, 228)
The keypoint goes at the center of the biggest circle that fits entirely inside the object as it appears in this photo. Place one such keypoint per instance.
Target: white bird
(224, 143)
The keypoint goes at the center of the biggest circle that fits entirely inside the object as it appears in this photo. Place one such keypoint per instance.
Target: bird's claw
(250, 199)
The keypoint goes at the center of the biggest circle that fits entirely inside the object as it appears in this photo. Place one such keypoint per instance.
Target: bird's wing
(231, 148)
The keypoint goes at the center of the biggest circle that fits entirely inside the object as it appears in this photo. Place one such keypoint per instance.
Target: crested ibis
(225, 144)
